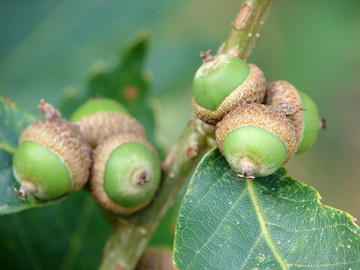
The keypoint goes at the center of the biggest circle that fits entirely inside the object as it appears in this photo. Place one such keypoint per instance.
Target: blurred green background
(49, 48)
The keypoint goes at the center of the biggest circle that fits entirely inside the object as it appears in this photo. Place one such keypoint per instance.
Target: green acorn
(299, 108)
(101, 118)
(224, 82)
(256, 139)
(126, 173)
(98, 105)
(285, 97)
(51, 160)
(312, 122)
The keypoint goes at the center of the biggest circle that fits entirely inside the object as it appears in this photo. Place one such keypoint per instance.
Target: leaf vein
(262, 222)
(216, 229)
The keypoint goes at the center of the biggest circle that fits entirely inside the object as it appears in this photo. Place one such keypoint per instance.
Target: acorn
(256, 139)
(285, 97)
(224, 82)
(100, 118)
(52, 159)
(299, 108)
(126, 173)
(312, 122)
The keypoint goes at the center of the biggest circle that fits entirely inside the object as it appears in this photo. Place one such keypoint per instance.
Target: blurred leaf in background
(69, 235)
(49, 46)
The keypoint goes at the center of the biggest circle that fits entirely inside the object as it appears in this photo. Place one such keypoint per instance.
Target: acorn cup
(299, 108)
(126, 173)
(100, 118)
(52, 159)
(285, 97)
(256, 139)
(224, 82)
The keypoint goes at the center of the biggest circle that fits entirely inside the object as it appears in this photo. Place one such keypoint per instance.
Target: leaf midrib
(263, 226)
(7, 148)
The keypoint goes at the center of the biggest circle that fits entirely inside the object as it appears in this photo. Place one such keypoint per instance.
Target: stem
(124, 248)
(246, 28)
(131, 236)
(51, 113)
(206, 56)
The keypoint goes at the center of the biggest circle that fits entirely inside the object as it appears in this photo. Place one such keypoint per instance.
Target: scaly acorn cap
(126, 173)
(285, 97)
(100, 118)
(303, 111)
(256, 139)
(101, 125)
(51, 160)
(251, 90)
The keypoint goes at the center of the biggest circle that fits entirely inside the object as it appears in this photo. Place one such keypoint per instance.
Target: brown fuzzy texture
(262, 116)
(101, 125)
(280, 92)
(252, 90)
(72, 150)
(100, 156)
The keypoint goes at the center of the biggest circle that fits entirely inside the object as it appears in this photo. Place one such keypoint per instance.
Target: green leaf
(273, 222)
(126, 83)
(12, 121)
(64, 236)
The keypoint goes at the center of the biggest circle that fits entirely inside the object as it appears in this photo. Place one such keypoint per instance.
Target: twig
(246, 28)
(125, 246)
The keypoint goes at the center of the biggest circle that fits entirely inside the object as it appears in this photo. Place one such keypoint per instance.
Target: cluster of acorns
(101, 145)
(259, 126)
